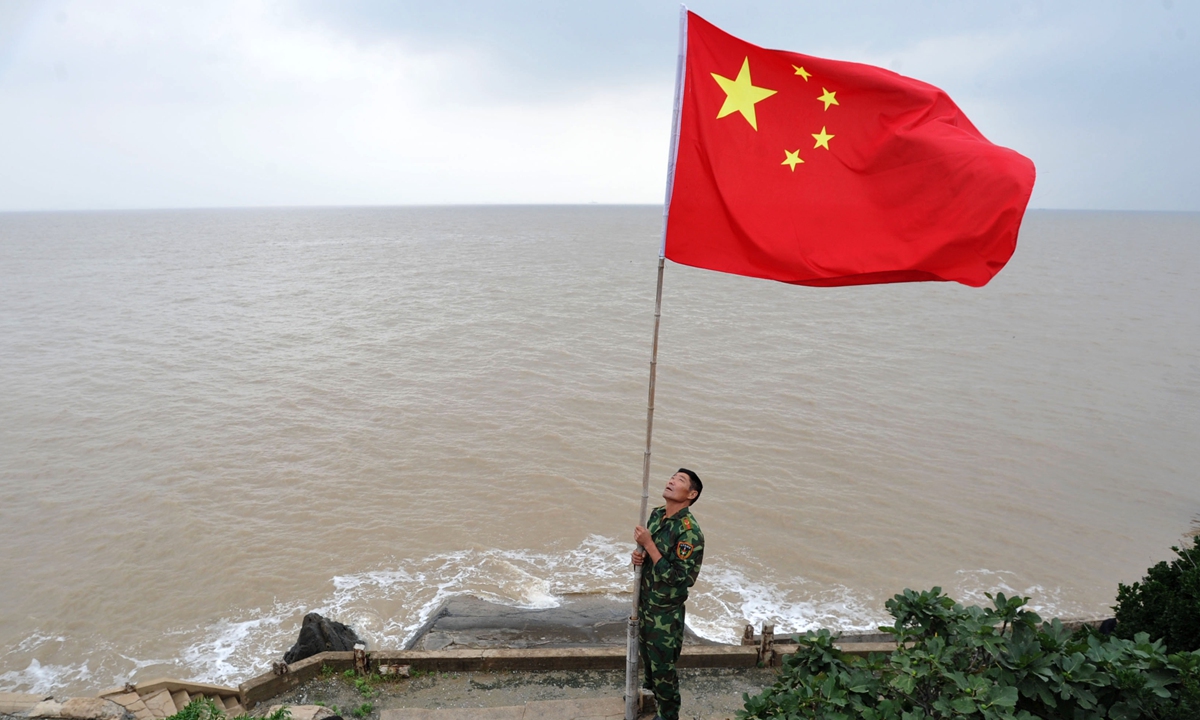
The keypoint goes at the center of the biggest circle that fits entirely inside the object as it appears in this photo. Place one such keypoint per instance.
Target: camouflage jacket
(665, 583)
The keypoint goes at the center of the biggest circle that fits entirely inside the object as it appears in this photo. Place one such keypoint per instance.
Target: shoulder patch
(687, 523)
(684, 550)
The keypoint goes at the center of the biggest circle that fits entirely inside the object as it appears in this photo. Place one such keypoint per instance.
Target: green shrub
(999, 663)
(283, 713)
(1166, 603)
(200, 709)
(366, 685)
(206, 709)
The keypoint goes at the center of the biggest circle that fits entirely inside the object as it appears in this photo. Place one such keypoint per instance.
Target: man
(675, 546)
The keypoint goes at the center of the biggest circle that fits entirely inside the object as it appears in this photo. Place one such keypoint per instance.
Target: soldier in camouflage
(675, 545)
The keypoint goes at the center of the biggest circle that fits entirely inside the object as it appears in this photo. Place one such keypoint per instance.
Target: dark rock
(468, 622)
(319, 634)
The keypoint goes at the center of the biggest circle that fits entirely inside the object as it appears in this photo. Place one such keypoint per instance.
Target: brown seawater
(212, 422)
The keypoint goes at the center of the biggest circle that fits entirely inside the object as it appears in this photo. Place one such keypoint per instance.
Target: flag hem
(672, 157)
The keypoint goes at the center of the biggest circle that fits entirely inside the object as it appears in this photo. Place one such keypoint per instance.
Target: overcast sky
(150, 104)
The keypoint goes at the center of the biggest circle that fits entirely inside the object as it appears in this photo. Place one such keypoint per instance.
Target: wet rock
(468, 622)
(400, 671)
(85, 708)
(319, 634)
(47, 709)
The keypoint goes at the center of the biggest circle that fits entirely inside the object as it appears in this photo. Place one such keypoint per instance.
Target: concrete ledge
(12, 703)
(265, 687)
(150, 687)
(76, 708)
(861, 649)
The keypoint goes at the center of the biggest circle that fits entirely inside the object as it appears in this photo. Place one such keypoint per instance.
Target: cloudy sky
(150, 104)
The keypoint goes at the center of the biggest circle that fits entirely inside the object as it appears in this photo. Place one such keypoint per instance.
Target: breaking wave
(389, 606)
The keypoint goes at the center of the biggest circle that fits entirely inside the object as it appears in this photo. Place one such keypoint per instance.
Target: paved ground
(580, 621)
(596, 709)
(707, 694)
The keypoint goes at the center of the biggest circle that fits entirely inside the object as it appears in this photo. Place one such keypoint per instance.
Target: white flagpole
(631, 657)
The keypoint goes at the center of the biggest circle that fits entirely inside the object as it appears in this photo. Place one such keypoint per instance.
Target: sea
(215, 421)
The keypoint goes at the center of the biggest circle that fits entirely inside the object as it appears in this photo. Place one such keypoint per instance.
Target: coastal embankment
(470, 654)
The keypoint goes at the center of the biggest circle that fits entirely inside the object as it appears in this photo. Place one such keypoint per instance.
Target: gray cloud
(137, 103)
(1101, 94)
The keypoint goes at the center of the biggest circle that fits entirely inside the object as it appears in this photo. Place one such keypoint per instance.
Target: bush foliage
(206, 709)
(999, 663)
(1166, 603)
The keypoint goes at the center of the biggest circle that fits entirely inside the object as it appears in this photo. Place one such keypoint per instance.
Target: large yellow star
(741, 95)
(828, 98)
(822, 139)
(802, 72)
(793, 159)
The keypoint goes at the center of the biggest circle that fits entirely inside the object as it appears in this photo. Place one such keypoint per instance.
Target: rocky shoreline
(471, 653)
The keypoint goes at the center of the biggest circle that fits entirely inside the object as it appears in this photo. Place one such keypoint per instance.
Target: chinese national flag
(819, 172)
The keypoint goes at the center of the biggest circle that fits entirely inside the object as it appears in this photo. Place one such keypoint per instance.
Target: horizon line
(366, 206)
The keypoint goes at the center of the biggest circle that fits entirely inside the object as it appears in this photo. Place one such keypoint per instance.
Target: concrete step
(163, 697)
(134, 704)
(160, 704)
(229, 704)
(144, 713)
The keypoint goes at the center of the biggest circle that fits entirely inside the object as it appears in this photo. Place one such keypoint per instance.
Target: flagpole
(631, 655)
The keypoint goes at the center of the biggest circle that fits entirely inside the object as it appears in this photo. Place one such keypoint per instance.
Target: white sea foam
(387, 607)
(974, 585)
(726, 598)
(234, 649)
(39, 678)
(35, 641)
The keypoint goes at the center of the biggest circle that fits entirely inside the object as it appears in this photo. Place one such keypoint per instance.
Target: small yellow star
(793, 159)
(828, 98)
(822, 139)
(802, 72)
(741, 95)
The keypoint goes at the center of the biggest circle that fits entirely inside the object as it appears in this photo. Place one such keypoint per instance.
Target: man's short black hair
(694, 483)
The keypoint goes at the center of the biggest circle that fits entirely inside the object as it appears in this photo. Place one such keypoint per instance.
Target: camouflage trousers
(660, 640)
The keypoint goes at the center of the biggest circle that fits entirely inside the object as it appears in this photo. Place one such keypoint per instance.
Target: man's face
(679, 489)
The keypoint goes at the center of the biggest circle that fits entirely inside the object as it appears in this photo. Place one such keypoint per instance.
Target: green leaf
(963, 705)
(1003, 696)
(904, 683)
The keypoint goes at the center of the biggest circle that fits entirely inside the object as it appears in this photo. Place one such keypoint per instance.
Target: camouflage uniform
(664, 588)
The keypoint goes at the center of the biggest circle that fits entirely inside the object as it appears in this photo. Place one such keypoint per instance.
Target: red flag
(820, 172)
